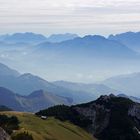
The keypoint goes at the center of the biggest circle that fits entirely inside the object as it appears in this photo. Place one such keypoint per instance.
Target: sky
(75, 16)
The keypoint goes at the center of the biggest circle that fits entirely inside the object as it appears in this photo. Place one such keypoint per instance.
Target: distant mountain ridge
(27, 83)
(91, 46)
(24, 38)
(6, 71)
(95, 89)
(31, 103)
(29, 37)
(129, 39)
(94, 51)
(127, 83)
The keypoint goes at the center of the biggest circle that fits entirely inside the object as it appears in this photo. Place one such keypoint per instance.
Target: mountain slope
(107, 118)
(6, 71)
(129, 39)
(50, 129)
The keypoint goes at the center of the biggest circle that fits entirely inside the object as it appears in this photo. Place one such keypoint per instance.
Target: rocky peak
(106, 97)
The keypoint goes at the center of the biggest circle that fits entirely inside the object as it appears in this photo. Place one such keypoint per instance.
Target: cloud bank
(77, 16)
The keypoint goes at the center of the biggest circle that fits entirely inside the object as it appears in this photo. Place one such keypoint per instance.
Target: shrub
(22, 136)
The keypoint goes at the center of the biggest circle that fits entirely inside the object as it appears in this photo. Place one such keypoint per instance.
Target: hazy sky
(75, 16)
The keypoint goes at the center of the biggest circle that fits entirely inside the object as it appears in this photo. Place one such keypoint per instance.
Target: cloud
(69, 15)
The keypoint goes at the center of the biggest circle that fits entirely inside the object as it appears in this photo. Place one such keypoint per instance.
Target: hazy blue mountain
(129, 39)
(128, 84)
(26, 83)
(135, 99)
(34, 38)
(6, 71)
(96, 53)
(23, 38)
(2, 37)
(40, 99)
(94, 89)
(33, 102)
(61, 37)
(89, 55)
(10, 99)
(88, 46)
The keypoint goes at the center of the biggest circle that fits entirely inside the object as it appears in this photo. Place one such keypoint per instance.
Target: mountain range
(34, 102)
(27, 92)
(24, 84)
(33, 38)
(96, 53)
(97, 46)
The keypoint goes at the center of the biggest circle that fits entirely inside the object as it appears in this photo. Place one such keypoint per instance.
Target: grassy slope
(50, 129)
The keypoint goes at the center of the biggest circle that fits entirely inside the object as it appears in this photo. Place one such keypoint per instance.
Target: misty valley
(65, 87)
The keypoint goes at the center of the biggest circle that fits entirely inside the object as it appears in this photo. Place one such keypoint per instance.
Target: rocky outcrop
(97, 113)
(134, 111)
(4, 135)
(113, 118)
(107, 118)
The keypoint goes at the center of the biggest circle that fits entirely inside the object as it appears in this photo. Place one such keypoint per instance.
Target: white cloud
(82, 16)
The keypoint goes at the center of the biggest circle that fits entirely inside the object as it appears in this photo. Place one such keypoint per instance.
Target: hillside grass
(50, 129)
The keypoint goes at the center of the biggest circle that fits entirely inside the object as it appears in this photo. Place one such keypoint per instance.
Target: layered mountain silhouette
(23, 38)
(32, 38)
(95, 52)
(24, 84)
(91, 46)
(31, 103)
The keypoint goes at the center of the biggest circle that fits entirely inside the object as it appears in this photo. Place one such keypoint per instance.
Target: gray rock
(4, 135)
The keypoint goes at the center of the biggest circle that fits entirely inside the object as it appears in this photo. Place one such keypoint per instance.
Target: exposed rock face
(113, 118)
(134, 111)
(97, 113)
(4, 135)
